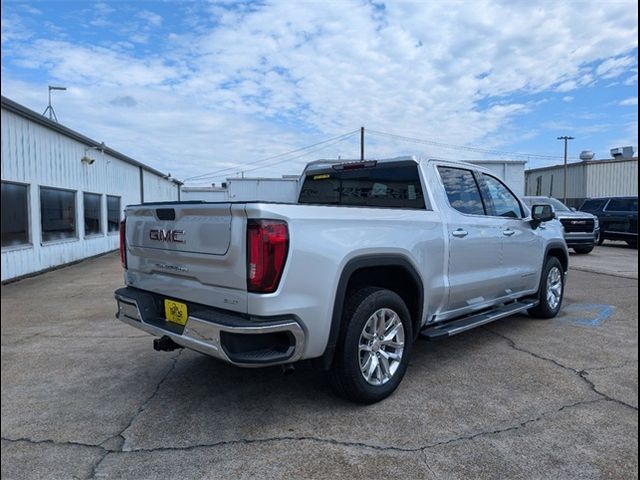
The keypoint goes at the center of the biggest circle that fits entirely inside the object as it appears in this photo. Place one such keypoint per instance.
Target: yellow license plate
(175, 312)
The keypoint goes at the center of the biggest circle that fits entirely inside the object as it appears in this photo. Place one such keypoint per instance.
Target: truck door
(621, 216)
(522, 248)
(475, 244)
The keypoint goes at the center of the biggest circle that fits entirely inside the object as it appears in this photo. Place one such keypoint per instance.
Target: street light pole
(566, 141)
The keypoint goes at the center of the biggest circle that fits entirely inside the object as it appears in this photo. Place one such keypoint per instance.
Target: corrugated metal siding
(158, 189)
(612, 179)
(38, 156)
(553, 182)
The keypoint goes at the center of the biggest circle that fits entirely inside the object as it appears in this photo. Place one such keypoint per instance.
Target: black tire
(544, 309)
(583, 250)
(601, 238)
(345, 376)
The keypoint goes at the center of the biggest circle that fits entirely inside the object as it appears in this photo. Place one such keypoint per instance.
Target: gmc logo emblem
(579, 222)
(162, 235)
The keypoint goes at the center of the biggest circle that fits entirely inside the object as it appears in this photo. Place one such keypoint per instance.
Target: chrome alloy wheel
(554, 287)
(380, 346)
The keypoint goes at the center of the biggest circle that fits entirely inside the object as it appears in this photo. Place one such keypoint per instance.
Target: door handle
(460, 233)
(508, 232)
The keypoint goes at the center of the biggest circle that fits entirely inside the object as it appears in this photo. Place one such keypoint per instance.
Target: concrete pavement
(84, 396)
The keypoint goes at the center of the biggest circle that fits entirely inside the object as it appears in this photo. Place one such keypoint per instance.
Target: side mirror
(540, 214)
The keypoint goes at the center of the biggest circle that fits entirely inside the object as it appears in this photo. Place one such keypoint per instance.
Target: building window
(15, 214)
(58, 212)
(113, 213)
(539, 186)
(92, 214)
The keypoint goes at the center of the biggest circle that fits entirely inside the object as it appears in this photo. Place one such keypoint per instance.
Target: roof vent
(622, 152)
(587, 155)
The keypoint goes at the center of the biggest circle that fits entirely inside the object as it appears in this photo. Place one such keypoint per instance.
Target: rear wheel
(583, 250)
(373, 348)
(551, 290)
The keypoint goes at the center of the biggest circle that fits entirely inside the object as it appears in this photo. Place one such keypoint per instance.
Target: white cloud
(568, 98)
(151, 18)
(614, 67)
(249, 81)
(628, 102)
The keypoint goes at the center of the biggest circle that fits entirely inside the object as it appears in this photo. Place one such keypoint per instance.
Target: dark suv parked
(618, 218)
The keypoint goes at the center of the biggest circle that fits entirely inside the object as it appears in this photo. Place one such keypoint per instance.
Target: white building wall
(612, 179)
(263, 189)
(158, 189)
(35, 155)
(510, 171)
(246, 190)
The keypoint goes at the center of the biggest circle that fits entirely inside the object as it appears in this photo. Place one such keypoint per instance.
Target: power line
(463, 147)
(217, 173)
(288, 159)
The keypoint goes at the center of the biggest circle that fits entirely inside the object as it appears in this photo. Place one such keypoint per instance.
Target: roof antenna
(52, 113)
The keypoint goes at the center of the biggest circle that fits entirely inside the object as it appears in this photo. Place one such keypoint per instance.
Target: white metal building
(616, 177)
(247, 189)
(510, 171)
(63, 194)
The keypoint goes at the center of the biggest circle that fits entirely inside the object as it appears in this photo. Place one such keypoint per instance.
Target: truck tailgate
(194, 252)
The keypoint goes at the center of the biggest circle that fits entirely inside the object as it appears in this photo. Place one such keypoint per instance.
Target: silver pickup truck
(373, 255)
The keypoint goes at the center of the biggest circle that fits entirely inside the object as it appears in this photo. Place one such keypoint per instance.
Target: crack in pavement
(116, 444)
(580, 373)
(119, 437)
(326, 441)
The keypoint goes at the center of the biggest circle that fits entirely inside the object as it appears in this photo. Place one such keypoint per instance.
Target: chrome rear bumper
(207, 335)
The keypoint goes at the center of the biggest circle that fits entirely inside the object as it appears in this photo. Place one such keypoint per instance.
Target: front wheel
(551, 290)
(583, 250)
(373, 347)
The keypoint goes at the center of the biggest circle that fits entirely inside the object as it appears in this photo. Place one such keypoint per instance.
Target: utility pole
(566, 141)
(362, 144)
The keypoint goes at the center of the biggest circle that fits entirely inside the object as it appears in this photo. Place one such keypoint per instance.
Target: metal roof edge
(584, 162)
(29, 114)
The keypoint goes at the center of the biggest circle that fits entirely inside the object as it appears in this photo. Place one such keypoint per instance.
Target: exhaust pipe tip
(288, 369)
(165, 344)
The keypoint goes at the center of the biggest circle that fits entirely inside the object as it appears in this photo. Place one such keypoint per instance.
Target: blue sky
(195, 87)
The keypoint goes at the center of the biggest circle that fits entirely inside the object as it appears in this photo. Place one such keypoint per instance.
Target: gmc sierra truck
(373, 255)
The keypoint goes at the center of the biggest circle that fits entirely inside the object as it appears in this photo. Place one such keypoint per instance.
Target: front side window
(92, 214)
(462, 190)
(58, 214)
(15, 214)
(113, 213)
(593, 205)
(499, 199)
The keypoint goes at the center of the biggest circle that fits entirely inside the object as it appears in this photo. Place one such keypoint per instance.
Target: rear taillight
(123, 245)
(267, 247)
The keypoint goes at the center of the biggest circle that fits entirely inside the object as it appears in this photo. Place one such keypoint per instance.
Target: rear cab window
(366, 184)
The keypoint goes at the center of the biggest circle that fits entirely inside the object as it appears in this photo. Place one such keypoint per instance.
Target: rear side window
(388, 186)
(622, 205)
(593, 205)
(462, 190)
